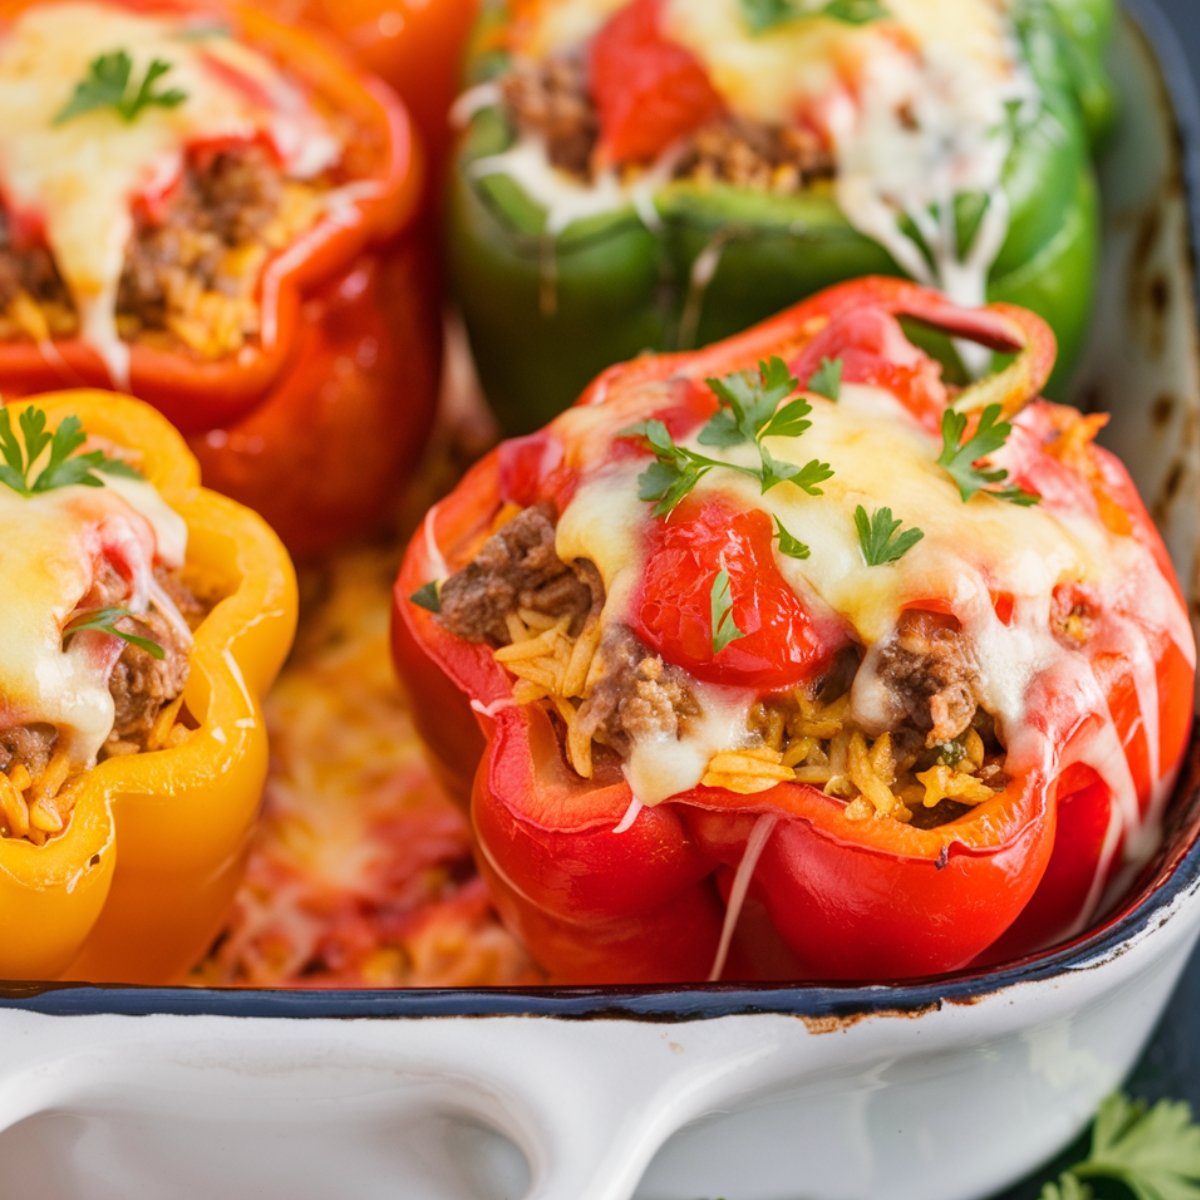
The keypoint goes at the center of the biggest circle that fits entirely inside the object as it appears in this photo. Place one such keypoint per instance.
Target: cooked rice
(37, 808)
(799, 740)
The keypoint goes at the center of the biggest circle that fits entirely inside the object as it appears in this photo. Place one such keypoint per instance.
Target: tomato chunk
(782, 644)
(649, 92)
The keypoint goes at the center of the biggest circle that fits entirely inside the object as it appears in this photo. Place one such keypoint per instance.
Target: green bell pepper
(544, 314)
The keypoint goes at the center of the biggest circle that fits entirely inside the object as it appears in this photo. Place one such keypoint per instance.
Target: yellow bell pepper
(135, 887)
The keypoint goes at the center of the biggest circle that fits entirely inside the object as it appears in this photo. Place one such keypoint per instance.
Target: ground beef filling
(928, 670)
(143, 688)
(518, 571)
(142, 685)
(636, 696)
(193, 264)
(941, 756)
(518, 568)
(551, 101)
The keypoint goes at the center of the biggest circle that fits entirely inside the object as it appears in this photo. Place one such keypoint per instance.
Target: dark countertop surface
(1185, 16)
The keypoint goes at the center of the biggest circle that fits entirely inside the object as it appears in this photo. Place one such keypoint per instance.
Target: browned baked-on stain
(1161, 409)
(1174, 479)
(839, 1023)
(1148, 296)
(1161, 507)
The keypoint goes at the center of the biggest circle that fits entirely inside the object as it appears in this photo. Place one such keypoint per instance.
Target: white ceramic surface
(826, 1098)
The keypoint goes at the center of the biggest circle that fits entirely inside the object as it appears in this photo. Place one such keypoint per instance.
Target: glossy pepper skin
(545, 315)
(830, 897)
(415, 46)
(137, 885)
(348, 382)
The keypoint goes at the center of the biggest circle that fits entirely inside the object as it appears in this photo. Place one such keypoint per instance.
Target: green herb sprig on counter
(63, 467)
(749, 413)
(761, 16)
(1152, 1151)
(877, 536)
(104, 620)
(724, 627)
(109, 84)
(959, 457)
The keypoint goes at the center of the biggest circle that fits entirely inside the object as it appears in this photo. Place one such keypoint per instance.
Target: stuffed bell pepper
(143, 618)
(211, 210)
(660, 173)
(786, 659)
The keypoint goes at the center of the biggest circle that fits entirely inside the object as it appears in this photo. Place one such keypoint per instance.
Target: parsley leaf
(428, 597)
(790, 546)
(761, 16)
(748, 403)
(107, 85)
(959, 457)
(677, 469)
(807, 477)
(789, 421)
(63, 467)
(826, 380)
(1152, 1151)
(104, 620)
(724, 627)
(749, 413)
(876, 537)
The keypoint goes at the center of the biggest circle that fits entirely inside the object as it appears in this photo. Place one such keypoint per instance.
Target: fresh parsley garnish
(807, 477)
(104, 620)
(749, 413)
(959, 457)
(826, 380)
(676, 470)
(790, 546)
(749, 400)
(724, 627)
(876, 536)
(428, 597)
(109, 84)
(1154, 1152)
(761, 16)
(63, 467)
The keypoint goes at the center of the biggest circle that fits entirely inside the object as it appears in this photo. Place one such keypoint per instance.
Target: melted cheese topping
(78, 179)
(971, 552)
(774, 75)
(54, 545)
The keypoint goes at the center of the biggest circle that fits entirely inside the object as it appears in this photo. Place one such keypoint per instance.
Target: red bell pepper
(604, 892)
(346, 368)
(416, 46)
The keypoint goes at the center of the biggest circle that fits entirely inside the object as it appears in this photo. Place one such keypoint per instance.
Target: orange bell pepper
(332, 343)
(137, 884)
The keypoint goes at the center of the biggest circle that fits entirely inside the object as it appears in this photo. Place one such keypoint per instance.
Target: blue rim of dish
(1176, 877)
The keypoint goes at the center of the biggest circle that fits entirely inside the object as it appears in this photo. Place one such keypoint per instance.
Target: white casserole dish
(939, 1090)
